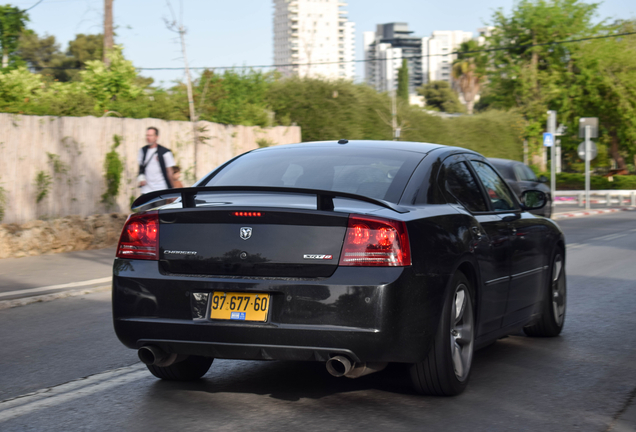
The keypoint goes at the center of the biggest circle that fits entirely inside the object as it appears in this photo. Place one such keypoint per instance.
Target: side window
(463, 186)
(496, 188)
(521, 175)
(530, 175)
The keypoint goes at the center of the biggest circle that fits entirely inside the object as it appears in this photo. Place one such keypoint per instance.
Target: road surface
(65, 354)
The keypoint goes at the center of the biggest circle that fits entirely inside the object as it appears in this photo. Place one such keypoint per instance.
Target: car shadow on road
(293, 381)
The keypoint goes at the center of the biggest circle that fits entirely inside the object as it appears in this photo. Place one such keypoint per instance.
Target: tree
(108, 84)
(439, 95)
(532, 79)
(43, 54)
(12, 22)
(603, 84)
(468, 71)
(403, 81)
(85, 47)
(38, 52)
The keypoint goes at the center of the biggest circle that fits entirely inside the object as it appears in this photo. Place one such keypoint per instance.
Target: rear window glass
(374, 173)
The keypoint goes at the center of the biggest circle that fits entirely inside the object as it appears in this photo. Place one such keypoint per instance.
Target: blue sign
(238, 316)
(548, 140)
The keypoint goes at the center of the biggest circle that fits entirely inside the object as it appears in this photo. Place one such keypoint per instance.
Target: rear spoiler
(324, 198)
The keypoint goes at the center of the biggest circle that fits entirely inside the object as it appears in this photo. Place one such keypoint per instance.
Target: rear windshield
(375, 173)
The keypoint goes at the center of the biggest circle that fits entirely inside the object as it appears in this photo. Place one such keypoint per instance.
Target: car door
(491, 240)
(526, 236)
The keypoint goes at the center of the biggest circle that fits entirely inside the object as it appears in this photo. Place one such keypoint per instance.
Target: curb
(8, 304)
(590, 213)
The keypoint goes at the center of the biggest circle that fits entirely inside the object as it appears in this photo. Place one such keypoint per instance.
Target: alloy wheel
(558, 290)
(462, 332)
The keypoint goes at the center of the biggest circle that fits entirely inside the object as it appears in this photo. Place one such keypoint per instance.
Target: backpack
(161, 150)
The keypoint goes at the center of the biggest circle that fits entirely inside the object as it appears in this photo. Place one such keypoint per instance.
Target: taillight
(373, 241)
(247, 214)
(140, 237)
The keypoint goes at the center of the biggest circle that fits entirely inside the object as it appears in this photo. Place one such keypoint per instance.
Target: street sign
(593, 150)
(548, 140)
(588, 121)
(561, 130)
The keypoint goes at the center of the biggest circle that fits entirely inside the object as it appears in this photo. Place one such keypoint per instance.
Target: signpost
(588, 127)
(561, 131)
(548, 141)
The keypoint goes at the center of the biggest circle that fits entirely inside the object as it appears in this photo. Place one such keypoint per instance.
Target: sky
(239, 32)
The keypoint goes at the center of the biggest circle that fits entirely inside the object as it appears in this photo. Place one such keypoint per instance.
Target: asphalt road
(80, 377)
(20, 277)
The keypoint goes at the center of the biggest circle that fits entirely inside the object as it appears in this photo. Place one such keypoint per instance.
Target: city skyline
(236, 34)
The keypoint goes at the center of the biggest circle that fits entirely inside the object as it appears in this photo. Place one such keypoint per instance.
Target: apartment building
(429, 58)
(314, 38)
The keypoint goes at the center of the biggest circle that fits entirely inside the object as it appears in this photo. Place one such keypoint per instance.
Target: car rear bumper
(366, 313)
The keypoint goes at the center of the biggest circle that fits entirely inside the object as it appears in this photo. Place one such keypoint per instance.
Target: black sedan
(521, 178)
(355, 254)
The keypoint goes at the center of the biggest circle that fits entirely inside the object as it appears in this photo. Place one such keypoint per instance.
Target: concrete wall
(81, 144)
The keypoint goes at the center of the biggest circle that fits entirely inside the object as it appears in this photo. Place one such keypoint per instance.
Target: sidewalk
(47, 271)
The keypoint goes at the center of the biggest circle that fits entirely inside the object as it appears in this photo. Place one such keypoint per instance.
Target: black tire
(437, 374)
(552, 318)
(192, 368)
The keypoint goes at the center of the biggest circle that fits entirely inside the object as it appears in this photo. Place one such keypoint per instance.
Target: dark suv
(521, 178)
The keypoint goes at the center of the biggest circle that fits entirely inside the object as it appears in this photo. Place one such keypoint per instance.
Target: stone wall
(70, 233)
(71, 152)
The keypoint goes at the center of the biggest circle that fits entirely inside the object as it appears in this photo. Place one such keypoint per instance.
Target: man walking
(155, 164)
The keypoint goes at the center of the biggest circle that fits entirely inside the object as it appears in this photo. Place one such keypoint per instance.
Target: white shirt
(154, 176)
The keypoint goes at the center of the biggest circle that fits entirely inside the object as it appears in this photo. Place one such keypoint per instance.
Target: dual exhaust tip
(153, 356)
(339, 366)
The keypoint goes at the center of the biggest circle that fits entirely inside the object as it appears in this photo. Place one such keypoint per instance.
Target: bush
(575, 181)
(330, 110)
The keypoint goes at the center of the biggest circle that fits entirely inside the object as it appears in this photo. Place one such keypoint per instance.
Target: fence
(69, 154)
(607, 197)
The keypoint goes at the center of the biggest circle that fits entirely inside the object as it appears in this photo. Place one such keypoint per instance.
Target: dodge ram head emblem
(246, 232)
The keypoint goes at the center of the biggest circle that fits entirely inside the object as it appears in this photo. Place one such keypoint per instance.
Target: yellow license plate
(239, 306)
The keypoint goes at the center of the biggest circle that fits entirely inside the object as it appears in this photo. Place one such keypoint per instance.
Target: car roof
(504, 161)
(411, 146)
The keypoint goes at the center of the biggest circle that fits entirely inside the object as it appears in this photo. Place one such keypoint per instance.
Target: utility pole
(108, 30)
(394, 126)
(181, 30)
(588, 151)
(552, 118)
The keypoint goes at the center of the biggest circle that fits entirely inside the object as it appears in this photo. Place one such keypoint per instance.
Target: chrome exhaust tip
(339, 366)
(153, 356)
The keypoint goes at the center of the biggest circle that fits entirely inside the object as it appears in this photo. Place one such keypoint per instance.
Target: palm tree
(469, 72)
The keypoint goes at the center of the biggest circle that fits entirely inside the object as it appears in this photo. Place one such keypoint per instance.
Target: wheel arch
(469, 267)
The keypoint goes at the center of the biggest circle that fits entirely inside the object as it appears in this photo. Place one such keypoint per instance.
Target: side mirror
(533, 199)
(543, 179)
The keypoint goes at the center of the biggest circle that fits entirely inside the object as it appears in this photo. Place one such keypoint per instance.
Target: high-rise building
(437, 49)
(383, 52)
(314, 38)
(428, 58)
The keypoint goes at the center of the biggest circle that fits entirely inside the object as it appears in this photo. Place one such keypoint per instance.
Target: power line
(485, 50)
(21, 11)
(510, 47)
(33, 6)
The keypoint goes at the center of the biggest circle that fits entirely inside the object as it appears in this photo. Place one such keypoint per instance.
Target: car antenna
(343, 141)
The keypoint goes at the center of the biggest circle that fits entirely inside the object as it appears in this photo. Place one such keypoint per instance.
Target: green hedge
(330, 110)
(572, 181)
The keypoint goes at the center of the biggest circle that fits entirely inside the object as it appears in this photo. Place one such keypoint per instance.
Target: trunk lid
(219, 238)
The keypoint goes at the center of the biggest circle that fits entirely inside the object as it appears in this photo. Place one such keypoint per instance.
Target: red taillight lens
(140, 237)
(375, 242)
(247, 214)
